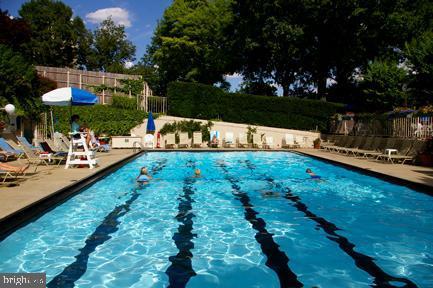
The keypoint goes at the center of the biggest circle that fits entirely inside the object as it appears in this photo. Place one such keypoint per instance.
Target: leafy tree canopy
(55, 33)
(112, 49)
(189, 42)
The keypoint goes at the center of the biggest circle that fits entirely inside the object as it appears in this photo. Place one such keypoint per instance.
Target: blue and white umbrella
(69, 96)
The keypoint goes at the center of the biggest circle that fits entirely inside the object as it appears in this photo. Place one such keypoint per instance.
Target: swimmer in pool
(197, 173)
(312, 175)
(144, 177)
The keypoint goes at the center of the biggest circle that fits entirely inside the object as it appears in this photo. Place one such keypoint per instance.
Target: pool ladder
(137, 146)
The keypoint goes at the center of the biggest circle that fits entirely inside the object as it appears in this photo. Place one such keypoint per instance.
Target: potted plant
(316, 143)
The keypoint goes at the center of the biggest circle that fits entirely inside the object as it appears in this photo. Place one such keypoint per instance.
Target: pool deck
(48, 181)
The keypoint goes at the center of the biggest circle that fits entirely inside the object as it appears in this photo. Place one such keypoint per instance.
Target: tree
(13, 32)
(257, 88)
(189, 42)
(419, 52)
(112, 49)
(55, 33)
(18, 82)
(383, 86)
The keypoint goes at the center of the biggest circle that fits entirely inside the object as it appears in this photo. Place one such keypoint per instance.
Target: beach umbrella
(150, 123)
(68, 96)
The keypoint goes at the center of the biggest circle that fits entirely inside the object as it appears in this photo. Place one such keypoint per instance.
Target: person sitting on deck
(144, 177)
(312, 174)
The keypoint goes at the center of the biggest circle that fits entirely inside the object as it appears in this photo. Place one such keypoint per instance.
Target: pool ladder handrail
(135, 148)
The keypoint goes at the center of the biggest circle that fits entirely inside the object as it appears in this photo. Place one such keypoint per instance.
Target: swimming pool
(254, 219)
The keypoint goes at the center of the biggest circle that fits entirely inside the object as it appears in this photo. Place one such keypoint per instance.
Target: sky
(139, 17)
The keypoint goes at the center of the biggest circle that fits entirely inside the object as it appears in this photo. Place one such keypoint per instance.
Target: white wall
(305, 138)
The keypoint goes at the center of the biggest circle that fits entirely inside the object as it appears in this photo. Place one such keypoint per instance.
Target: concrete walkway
(416, 174)
(49, 179)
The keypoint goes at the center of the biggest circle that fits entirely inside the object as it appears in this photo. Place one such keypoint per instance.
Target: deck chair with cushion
(170, 140)
(242, 140)
(356, 142)
(183, 140)
(214, 140)
(289, 142)
(229, 141)
(377, 148)
(5, 146)
(197, 139)
(53, 156)
(257, 141)
(149, 141)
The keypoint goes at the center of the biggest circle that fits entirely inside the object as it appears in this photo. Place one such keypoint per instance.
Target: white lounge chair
(214, 138)
(257, 141)
(269, 142)
(197, 139)
(229, 140)
(170, 141)
(183, 140)
(243, 141)
(149, 141)
(289, 142)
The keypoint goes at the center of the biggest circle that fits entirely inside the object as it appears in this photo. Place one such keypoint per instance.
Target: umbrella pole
(52, 123)
(70, 115)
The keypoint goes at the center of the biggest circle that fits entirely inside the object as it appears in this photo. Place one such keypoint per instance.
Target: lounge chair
(10, 173)
(417, 147)
(257, 141)
(269, 142)
(197, 139)
(170, 141)
(401, 148)
(289, 142)
(149, 141)
(384, 143)
(214, 139)
(37, 159)
(229, 141)
(5, 146)
(242, 140)
(24, 142)
(183, 140)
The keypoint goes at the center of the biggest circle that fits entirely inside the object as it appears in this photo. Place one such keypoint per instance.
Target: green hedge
(100, 118)
(195, 100)
(124, 102)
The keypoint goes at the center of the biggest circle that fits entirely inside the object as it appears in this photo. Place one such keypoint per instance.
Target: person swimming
(312, 174)
(144, 177)
(197, 173)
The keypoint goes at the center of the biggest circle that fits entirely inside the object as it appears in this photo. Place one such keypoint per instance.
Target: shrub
(207, 102)
(190, 126)
(124, 102)
(100, 118)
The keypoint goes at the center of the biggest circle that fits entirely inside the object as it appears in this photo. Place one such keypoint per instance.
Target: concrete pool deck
(48, 181)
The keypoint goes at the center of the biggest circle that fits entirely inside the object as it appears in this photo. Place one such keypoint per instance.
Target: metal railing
(402, 127)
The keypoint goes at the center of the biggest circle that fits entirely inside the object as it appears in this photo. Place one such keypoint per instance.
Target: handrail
(134, 146)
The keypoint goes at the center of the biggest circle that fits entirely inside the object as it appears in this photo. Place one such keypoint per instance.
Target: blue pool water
(254, 219)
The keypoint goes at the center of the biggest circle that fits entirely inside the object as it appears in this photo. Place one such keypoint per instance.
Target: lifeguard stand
(78, 157)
